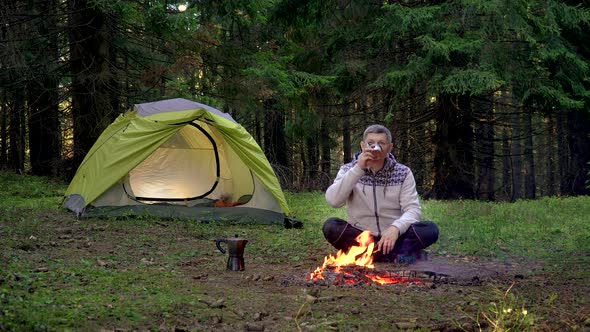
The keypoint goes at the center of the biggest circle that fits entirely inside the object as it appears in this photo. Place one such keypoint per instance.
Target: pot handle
(218, 244)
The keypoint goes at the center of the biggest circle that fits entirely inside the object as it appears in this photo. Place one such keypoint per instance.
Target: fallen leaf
(259, 315)
(218, 304)
(215, 305)
(147, 261)
(253, 327)
(405, 325)
(238, 312)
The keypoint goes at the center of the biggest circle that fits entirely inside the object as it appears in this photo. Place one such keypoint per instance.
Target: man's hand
(365, 158)
(385, 245)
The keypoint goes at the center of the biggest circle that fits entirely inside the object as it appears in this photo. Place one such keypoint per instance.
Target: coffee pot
(235, 250)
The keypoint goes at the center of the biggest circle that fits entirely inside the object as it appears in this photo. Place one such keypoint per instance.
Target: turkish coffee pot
(235, 251)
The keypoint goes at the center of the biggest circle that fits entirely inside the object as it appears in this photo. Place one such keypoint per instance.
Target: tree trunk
(563, 153)
(258, 128)
(530, 184)
(506, 165)
(311, 170)
(3, 132)
(127, 85)
(90, 52)
(17, 133)
(42, 93)
(516, 153)
(485, 136)
(275, 144)
(325, 163)
(550, 136)
(453, 160)
(579, 147)
(419, 149)
(113, 81)
(419, 157)
(44, 134)
(304, 161)
(346, 139)
(401, 133)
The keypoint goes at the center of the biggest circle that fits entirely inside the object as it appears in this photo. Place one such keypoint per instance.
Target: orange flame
(361, 255)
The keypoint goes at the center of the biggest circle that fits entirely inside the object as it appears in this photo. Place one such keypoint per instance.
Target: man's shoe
(406, 259)
(412, 258)
(421, 255)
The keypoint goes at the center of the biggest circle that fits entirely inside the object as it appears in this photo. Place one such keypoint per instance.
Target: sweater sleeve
(338, 193)
(410, 205)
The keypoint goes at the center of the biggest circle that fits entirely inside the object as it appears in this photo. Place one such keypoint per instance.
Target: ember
(356, 266)
(354, 275)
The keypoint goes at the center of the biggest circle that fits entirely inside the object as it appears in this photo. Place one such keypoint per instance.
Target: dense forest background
(487, 99)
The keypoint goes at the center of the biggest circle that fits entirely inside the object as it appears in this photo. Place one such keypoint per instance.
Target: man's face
(374, 139)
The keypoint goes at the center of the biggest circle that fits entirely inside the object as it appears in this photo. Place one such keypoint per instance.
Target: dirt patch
(465, 269)
(273, 293)
(280, 297)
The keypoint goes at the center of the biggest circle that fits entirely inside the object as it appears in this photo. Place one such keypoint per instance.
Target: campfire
(355, 267)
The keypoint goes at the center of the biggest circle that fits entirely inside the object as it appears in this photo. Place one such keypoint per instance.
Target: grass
(30, 191)
(84, 293)
(545, 228)
(549, 227)
(60, 273)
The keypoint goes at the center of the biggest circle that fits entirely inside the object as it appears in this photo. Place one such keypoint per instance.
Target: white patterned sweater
(375, 201)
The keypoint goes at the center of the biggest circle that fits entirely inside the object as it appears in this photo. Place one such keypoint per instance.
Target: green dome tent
(179, 159)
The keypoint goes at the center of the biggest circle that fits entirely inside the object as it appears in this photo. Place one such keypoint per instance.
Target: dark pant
(342, 236)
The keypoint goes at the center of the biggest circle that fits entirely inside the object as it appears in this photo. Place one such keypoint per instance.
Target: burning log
(359, 275)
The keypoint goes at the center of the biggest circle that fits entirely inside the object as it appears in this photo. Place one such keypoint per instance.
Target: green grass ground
(58, 273)
(549, 227)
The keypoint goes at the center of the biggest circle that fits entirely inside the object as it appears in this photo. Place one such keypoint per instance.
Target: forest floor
(60, 273)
